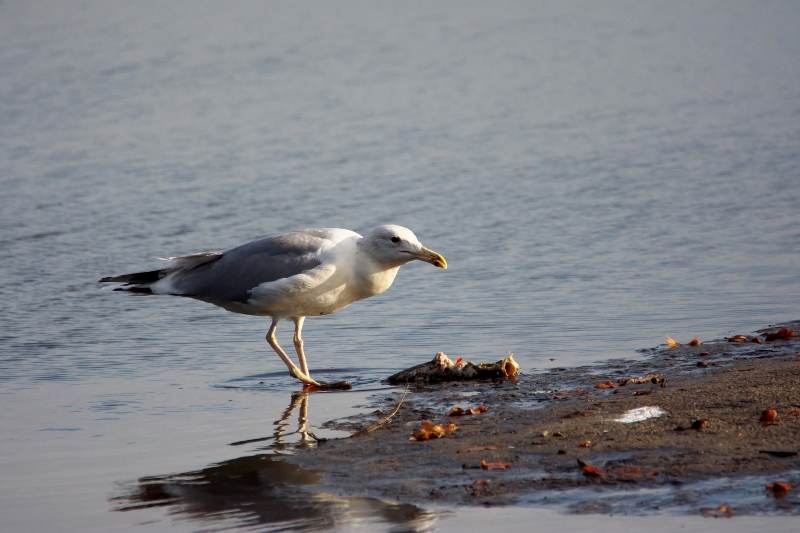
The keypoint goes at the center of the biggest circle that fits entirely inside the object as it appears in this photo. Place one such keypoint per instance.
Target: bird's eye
(395, 239)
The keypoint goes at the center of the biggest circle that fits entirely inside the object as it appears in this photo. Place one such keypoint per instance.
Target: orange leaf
(482, 409)
(672, 342)
(449, 428)
(458, 361)
(779, 488)
(782, 333)
(769, 416)
(494, 466)
(430, 430)
(693, 342)
(457, 411)
(794, 412)
(587, 444)
(422, 434)
(590, 471)
(606, 385)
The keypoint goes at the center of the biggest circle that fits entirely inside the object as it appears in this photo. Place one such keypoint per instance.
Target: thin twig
(376, 425)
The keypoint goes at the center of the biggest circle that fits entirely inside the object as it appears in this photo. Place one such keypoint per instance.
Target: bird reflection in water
(280, 439)
(265, 493)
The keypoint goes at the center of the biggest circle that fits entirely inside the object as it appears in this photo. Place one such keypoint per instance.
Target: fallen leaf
(576, 414)
(589, 470)
(794, 412)
(779, 489)
(672, 343)
(582, 391)
(782, 333)
(649, 378)
(737, 338)
(700, 425)
(643, 392)
(606, 385)
(587, 444)
(768, 417)
(723, 511)
(756, 339)
(479, 448)
(703, 354)
(422, 434)
(478, 484)
(622, 382)
(495, 466)
(430, 430)
(693, 342)
(458, 411)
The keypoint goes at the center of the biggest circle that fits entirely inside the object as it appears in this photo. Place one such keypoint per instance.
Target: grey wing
(232, 276)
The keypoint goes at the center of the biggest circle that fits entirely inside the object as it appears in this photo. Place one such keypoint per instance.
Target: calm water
(597, 176)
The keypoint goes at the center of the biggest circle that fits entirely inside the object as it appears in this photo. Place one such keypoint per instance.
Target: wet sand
(543, 424)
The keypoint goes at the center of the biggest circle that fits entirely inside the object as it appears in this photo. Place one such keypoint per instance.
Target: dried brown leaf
(495, 466)
(770, 416)
(672, 343)
(723, 511)
(781, 334)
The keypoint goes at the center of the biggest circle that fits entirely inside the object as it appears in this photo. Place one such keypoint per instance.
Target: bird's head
(395, 246)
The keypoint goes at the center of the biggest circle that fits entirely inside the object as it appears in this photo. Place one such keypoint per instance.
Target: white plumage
(290, 275)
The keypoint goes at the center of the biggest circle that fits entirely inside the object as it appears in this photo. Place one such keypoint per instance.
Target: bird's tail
(141, 282)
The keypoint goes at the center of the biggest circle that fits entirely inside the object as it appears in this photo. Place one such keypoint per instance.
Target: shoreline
(542, 434)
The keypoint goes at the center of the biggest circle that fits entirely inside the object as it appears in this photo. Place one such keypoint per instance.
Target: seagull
(291, 275)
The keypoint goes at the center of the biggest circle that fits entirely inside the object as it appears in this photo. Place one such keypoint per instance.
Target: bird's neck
(372, 279)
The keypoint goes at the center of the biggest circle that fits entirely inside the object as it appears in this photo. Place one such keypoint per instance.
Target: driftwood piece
(443, 369)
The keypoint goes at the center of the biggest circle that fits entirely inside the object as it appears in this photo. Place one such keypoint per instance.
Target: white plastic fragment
(639, 414)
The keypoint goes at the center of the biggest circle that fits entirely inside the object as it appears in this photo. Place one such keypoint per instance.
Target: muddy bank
(543, 424)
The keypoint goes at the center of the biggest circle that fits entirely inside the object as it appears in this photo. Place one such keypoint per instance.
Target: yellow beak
(429, 256)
